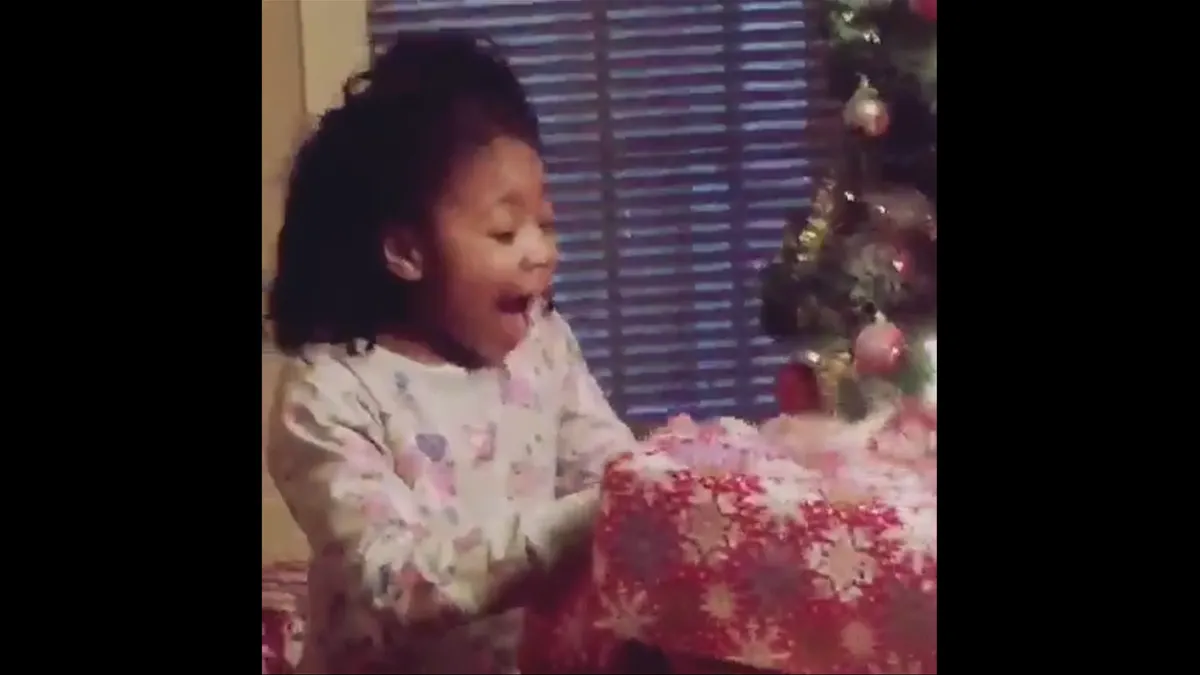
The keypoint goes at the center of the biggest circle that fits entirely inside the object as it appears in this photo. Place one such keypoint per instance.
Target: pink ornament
(926, 9)
(879, 349)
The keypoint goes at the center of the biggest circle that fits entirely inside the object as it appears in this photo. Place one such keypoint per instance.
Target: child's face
(495, 248)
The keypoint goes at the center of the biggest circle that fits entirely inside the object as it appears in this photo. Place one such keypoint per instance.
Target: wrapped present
(753, 550)
(284, 594)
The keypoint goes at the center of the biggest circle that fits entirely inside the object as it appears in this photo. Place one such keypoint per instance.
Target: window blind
(676, 142)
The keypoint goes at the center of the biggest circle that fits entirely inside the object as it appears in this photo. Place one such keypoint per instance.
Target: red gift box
(716, 547)
(284, 593)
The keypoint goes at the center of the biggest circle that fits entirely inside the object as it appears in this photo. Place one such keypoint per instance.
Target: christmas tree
(854, 287)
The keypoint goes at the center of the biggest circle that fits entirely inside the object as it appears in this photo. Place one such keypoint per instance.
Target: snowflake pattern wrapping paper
(717, 546)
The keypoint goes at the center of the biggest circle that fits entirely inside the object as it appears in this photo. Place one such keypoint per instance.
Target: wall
(309, 47)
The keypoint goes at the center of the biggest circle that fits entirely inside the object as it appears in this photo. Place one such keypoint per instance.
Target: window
(676, 143)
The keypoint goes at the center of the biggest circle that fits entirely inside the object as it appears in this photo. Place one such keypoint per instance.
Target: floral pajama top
(428, 493)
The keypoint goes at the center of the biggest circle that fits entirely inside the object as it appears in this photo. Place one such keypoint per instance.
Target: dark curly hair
(381, 161)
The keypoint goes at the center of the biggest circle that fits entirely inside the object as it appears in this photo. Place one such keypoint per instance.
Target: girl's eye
(504, 237)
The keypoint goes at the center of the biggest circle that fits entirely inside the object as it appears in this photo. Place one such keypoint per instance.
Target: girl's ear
(403, 257)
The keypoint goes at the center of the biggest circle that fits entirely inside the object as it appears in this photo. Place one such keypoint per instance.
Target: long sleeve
(329, 460)
(589, 431)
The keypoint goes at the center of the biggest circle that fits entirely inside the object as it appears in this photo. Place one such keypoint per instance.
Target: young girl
(436, 432)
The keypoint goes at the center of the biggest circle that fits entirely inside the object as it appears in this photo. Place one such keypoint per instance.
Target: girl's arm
(589, 431)
(362, 519)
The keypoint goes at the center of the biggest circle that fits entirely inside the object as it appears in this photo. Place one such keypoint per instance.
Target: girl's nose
(540, 249)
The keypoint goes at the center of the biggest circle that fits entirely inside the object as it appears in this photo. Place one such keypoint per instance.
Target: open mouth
(517, 304)
(515, 314)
